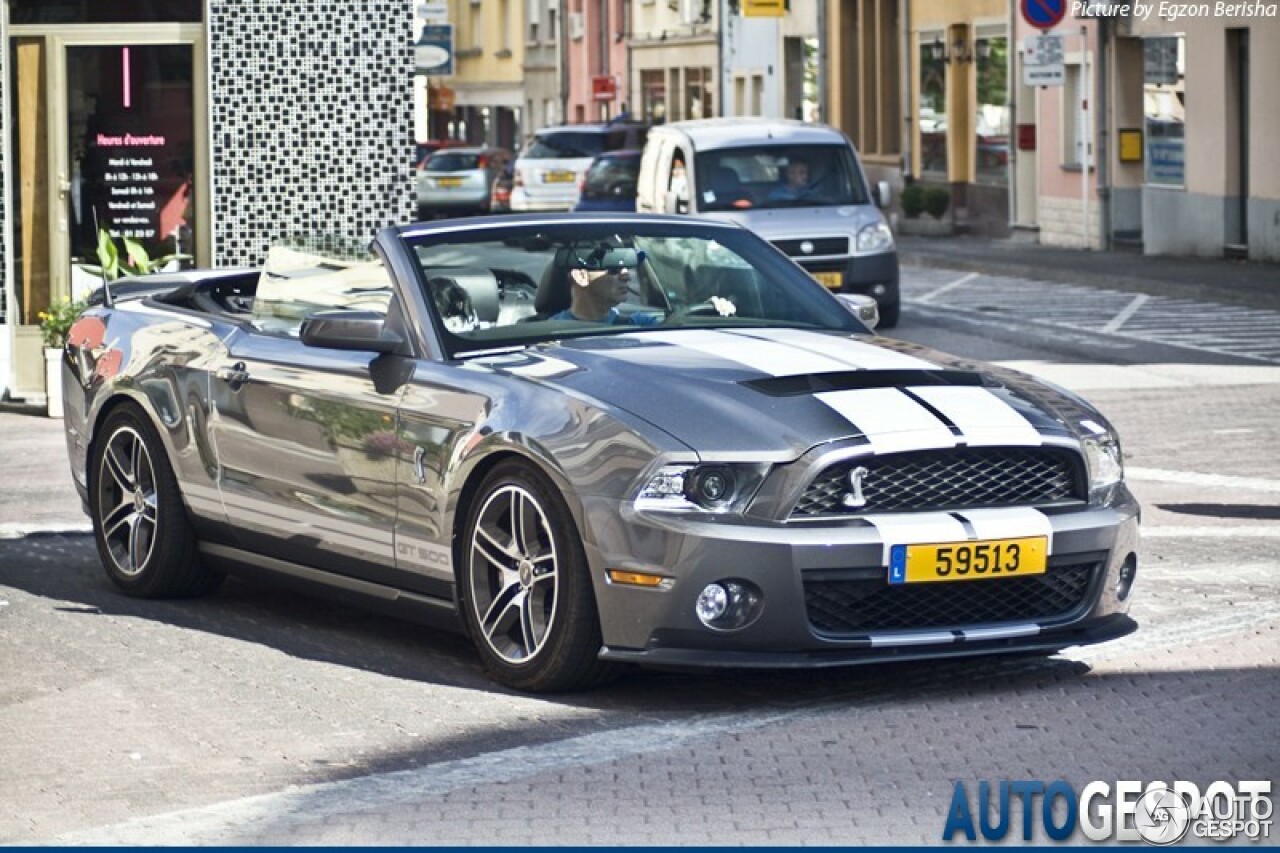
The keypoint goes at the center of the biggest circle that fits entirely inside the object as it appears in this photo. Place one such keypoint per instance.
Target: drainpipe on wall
(904, 68)
(6, 228)
(1103, 159)
(1011, 86)
(720, 78)
(625, 25)
(824, 114)
(562, 64)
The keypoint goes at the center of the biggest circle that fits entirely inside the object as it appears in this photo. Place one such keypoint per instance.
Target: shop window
(653, 94)
(932, 88)
(1164, 109)
(697, 93)
(992, 126)
(102, 12)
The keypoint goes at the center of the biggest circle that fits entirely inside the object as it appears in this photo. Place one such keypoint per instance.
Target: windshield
(612, 177)
(519, 285)
(565, 145)
(772, 176)
(452, 161)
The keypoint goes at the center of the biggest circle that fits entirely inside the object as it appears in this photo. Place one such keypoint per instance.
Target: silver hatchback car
(459, 180)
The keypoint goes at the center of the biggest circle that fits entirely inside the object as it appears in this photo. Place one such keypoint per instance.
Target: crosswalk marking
(1252, 333)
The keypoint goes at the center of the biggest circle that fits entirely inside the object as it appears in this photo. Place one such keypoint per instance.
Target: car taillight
(483, 162)
(517, 179)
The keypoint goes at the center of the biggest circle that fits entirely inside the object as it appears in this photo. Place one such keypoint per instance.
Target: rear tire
(144, 537)
(525, 588)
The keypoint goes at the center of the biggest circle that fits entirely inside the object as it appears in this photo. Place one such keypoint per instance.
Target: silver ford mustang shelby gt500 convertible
(588, 440)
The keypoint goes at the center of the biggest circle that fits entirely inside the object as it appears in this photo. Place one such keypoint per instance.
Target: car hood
(797, 222)
(772, 394)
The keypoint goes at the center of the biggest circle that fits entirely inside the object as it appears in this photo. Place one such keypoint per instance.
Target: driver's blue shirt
(613, 318)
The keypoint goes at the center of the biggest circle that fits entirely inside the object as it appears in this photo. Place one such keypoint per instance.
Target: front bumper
(862, 273)
(796, 567)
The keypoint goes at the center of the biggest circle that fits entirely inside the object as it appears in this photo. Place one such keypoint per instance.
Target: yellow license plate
(968, 561)
(559, 177)
(448, 182)
(832, 280)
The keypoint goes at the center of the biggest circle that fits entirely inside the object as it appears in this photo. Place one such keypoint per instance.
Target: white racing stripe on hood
(851, 354)
(917, 528)
(1009, 523)
(911, 528)
(767, 356)
(982, 417)
(891, 421)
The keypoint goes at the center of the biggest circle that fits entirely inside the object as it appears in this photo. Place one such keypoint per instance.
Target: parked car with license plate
(549, 171)
(459, 180)
(610, 183)
(589, 440)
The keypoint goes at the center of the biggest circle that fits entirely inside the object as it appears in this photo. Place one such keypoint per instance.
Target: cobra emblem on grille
(854, 497)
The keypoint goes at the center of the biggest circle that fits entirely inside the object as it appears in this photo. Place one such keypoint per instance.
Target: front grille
(959, 478)
(821, 246)
(859, 606)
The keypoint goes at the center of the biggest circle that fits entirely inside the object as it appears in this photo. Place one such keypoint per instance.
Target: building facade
(1200, 92)
(488, 77)
(769, 65)
(543, 66)
(202, 127)
(595, 59)
(674, 57)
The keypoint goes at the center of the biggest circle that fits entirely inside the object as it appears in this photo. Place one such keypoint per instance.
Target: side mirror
(361, 331)
(884, 195)
(865, 308)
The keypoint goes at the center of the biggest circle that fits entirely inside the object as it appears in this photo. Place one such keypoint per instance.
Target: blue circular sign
(1044, 14)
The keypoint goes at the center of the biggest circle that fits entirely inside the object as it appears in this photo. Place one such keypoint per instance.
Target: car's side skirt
(439, 612)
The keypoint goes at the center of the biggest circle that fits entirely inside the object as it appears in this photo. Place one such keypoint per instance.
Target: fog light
(712, 604)
(878, 290)
(1128, 571)
(729, 604)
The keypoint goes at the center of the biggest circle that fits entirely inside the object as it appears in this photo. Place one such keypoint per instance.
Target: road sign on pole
(1042, 60)
(1043, 14)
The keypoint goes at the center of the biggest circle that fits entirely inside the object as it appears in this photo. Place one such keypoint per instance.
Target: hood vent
(816, 383)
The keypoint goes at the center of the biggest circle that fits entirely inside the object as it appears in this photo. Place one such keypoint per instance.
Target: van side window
(679, 183)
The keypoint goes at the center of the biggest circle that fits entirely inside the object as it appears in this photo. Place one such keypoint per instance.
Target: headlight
(875, 238)
(701, 488)
(1106, 465)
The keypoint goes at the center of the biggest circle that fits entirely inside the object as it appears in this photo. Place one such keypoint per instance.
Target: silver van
(798, 185)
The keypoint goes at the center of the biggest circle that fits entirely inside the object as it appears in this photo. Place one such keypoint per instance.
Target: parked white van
(798, 185)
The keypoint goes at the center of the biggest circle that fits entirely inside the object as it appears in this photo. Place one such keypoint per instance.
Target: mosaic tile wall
(311, 120)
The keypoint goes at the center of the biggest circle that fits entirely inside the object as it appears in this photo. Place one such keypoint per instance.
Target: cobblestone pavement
(1196, 325)
(257, 716)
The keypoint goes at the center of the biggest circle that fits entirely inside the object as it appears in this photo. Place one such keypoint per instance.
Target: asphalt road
(261, 717)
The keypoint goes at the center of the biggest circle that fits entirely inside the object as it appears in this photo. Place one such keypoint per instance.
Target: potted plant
(54, 326)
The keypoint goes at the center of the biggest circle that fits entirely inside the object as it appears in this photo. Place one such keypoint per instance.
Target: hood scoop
(845, 380)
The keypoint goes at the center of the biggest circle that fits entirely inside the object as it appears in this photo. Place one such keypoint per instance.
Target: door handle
(235, 375)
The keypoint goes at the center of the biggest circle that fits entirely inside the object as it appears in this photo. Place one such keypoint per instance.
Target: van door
(648, 193)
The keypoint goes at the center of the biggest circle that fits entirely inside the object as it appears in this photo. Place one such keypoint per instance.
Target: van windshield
(771, 176)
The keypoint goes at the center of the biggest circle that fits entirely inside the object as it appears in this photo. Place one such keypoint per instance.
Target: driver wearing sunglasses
(601, 279)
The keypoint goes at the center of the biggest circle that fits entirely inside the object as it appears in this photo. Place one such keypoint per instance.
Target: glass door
(107, 140)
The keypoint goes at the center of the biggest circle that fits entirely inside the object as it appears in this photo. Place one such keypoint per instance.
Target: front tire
(525, 588)
(144, 537)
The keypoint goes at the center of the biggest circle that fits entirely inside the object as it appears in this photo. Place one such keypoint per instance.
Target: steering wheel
(696, 309)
